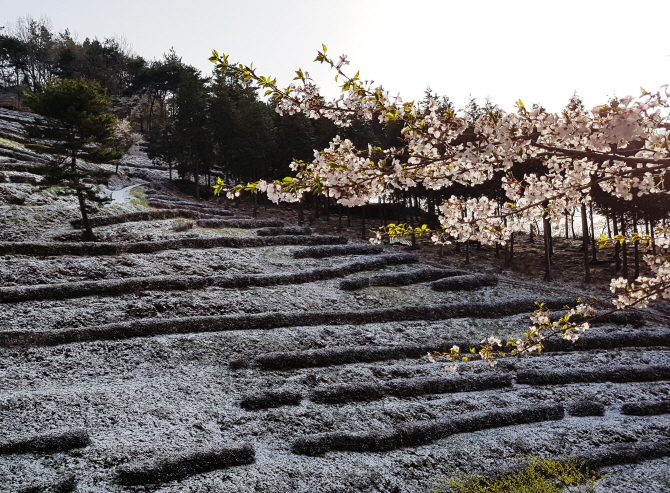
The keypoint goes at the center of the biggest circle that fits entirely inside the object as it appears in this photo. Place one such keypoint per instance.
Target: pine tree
(76, 125)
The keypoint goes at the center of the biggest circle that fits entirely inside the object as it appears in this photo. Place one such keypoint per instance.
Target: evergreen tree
(77, 124)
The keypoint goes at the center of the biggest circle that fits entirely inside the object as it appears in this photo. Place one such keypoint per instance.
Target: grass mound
(265, 400)
(615, 374)
(179, 466)
(238, 223)
(464, 283)
(586, 408)
(539, 476)
(423, 432)
(410, 387)
(42, 249)
(646, 408)
(291, 230)
(65, 484)
(47, 442)
(97, 221)
(332, 251)
(398, 278)
(115, 287)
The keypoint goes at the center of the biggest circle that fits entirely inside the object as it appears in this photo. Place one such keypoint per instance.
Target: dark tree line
(203, 127)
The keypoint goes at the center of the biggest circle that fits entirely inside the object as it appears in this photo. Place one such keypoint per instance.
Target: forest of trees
(207, 126)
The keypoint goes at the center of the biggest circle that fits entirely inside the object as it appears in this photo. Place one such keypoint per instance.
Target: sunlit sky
(540, 52)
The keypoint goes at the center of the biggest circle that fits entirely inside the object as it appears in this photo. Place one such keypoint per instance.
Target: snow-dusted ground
(146, 397)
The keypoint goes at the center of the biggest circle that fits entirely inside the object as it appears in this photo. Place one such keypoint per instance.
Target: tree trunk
(511, 248)
(594, 251)
(624, 247)
(339, 218)
(585, 245)
(196, 177)
(653, 236)
(300, 213)
(467, 251)
(255, 213)
(88, 231)
(547, 247)
(636, 247)
(617, 245)
(363, 231)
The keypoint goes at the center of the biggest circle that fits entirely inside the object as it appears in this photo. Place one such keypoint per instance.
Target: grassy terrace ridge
(42, 249)
(115, 287)
(425, 432)
(216, 323)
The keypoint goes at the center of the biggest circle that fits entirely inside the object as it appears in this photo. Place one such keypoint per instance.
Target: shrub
(423, 432)
(48, 442)
(183, 226)
(332, 251)
(178, 466)
(293, 230)
(464, 283)
(264, 400)
(538, 476)
(648, 408)
(398, 278)
(586, 408)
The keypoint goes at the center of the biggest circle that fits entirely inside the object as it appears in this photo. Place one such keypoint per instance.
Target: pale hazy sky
(537, 51)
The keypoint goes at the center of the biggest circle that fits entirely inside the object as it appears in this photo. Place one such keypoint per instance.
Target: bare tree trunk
(547, 246)
(636, 247)
(196, 177)
(467, 251)
(609, 231)
(339, 218)
(653, 236)
(617, 245)
(624, 247)
(363, 231)
(594, 251)
(88, 231)
(585, 245)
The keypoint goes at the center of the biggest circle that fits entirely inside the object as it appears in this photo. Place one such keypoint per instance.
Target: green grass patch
(138, 197)
(11, 143)
(538, 476)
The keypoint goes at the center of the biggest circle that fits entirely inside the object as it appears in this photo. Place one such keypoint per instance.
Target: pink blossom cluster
(623, 147)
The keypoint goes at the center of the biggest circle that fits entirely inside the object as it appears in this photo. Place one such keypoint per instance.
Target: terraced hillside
(194, 353)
